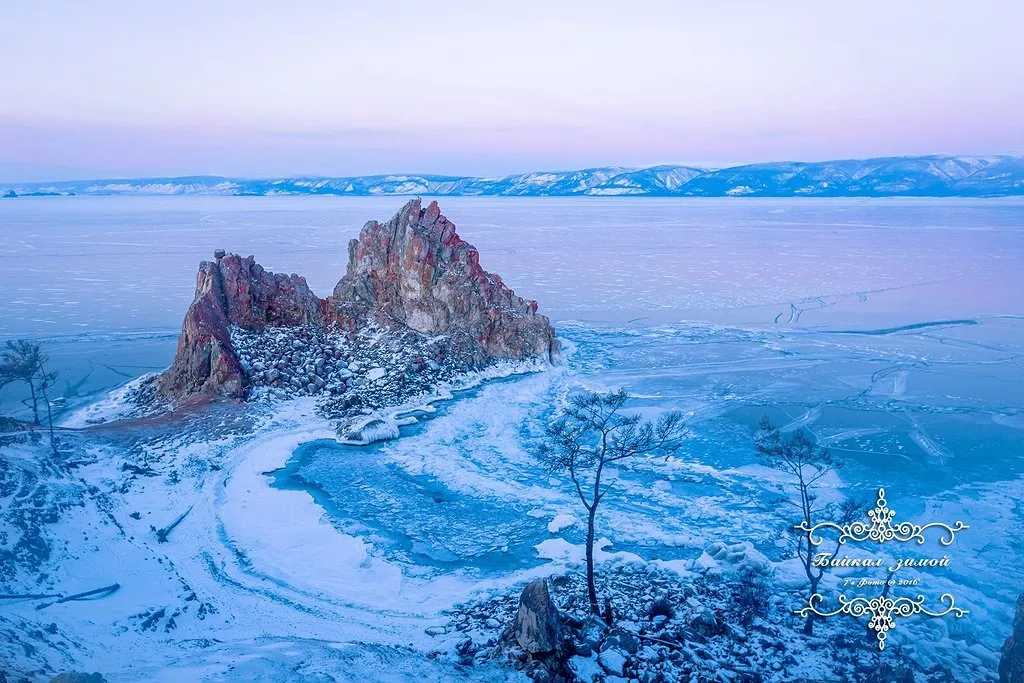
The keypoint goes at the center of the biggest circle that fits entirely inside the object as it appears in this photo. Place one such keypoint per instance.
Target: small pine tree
(24, 361)
(593, 433)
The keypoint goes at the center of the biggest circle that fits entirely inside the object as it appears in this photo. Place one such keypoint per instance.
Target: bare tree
(21, 362)
(592, 433)
(24, 361)
(798, 456)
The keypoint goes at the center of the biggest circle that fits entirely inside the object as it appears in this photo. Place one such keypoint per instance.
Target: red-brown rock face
(232, 291)
(416, 271)
(413, 271)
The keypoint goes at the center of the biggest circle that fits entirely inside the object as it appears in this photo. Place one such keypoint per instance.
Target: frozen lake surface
(102, 264)
(892, 330)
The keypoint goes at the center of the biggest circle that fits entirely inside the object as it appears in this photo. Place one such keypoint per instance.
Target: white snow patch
(561, 522)
(113, 406)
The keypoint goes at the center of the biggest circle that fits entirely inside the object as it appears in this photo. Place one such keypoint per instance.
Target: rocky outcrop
(412, 273)
(77, 677)
(416, 271)
(232, 291)
(533, 641)
(1011, 665)
(537, 628)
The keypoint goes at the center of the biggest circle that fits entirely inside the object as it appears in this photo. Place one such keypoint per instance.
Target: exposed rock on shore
(537, 624)
(413, 278)
(232, 292)
(1011, 665)
(674, 625)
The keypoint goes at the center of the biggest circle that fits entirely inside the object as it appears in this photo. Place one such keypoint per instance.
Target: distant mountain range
(927, 176)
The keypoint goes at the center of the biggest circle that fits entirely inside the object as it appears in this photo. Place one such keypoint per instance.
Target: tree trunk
(49, 420)
(809, 624)
(35, 402)
(809, 557)
(591, 587)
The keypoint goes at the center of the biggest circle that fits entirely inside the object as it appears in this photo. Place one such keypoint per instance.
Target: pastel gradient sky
(125, 88)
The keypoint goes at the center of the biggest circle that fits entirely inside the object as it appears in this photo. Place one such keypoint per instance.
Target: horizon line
(625, 168)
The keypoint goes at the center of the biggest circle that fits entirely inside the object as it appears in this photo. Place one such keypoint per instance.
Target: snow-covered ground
(252, 579)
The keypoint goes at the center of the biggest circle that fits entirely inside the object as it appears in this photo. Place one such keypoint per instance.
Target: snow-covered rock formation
(412, 276)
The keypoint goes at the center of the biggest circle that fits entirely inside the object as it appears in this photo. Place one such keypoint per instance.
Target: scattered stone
(635, 649)
(661, 608)
(706, 623)
(623, 640)
(586, 669)
(613, 661)
(890, 673)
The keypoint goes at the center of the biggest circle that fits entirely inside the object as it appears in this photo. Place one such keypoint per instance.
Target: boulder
(538, 627)
(706, 623)
(622, 640)
(586, 669)
(1011, 664)
(613, 661)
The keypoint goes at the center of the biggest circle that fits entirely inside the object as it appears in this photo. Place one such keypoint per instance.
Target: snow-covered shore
(249, 569)
(261, 581)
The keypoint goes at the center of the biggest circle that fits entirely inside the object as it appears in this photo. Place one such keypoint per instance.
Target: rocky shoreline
(354, 377)
(723, 619)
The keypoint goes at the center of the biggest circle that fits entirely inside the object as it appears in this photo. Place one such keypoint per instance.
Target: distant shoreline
(921, 176)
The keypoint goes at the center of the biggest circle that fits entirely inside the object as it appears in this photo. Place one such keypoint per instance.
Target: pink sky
(335, 88)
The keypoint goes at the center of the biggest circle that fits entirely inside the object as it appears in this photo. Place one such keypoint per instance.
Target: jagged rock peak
(232, 291)
(415, 270)
(412, 273)
(538, 625)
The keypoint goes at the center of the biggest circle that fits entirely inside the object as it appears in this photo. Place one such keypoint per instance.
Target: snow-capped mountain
(657, 180)
(928, 176)
(932, 176)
